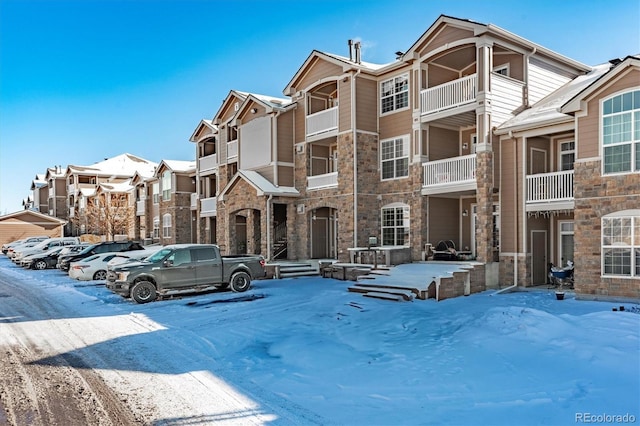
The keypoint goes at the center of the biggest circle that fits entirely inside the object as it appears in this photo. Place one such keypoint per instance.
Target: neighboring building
(57, 192)
(112, 170)
(40, 194)
(175, 220)
(27, 223)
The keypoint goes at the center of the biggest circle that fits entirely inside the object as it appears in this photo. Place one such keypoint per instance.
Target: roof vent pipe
(350, 50)
(356, 48)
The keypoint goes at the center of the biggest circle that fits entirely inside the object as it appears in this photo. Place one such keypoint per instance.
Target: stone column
(484, 199)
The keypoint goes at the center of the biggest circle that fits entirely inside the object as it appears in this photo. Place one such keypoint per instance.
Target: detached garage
(27, 223)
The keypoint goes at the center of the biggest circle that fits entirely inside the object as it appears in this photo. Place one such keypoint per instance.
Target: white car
(95, 267)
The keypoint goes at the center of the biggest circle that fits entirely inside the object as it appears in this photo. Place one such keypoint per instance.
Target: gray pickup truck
(183, 268)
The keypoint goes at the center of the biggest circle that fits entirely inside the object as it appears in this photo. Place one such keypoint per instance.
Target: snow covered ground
(305, 351)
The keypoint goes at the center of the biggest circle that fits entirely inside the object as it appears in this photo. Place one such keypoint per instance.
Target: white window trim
(634, 215)
(166, 179)
(405, 143)
(601, 133)
(561, 153)
(394, 110)
(502, 67)
(166, 225)
(155, 191)
(156, 227)
(406, 208)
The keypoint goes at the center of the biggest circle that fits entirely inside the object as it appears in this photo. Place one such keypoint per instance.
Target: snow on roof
(369, 65)
(180, 166)
(547, 109)
(87, 192)
(262, 185)
(117, 187)
(272, 101)
(122, 165)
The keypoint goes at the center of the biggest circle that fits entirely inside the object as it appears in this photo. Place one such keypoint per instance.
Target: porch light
(465, 212)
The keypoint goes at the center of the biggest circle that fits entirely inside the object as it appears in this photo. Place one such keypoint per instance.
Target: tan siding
(285, 137)
(268, 173)
(285, 176)
(466, 139)
(447, 35)
(437, 75)
(185, 184)
(496, 163)
(396, 124)
(247, 115)
(317, 71)
(299, 121)
(443, 143)
(344, 103)
(588, 145)
(516, 64)
(443, 223)
(366, 104)
(511, 180)
(15, 229)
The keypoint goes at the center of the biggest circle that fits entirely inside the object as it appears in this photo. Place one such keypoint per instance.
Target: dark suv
(104, 247)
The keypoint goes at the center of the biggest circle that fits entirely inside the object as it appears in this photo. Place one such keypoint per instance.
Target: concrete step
(308, 273)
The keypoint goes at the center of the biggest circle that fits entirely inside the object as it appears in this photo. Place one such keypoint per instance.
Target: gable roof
(177, 166)
(203, 123)
(261, 184)
(547, 110)
(491, 29)
(575, 103)
(41, 217)
(120, 165)
(231, 96)
(55, 172)
(125, 186)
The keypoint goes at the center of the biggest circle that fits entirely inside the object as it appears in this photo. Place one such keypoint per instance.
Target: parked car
(41, 261)
(6, 246)
(43, 246)
(95, 267)
(103, 247)
(21, 246)
(184, 268)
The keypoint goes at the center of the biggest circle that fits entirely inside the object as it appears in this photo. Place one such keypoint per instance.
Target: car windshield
(90, 258)
(159, 256)
(88, 249)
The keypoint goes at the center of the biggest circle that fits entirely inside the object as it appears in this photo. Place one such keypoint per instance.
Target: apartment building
(173, 188)
(83, 181)
(473, 135)
(57, 192)
(39, 194)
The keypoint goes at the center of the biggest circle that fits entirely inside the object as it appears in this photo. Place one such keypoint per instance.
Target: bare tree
(107, 214)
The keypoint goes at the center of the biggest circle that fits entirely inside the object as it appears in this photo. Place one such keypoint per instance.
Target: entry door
(538, 257)
(319, 238)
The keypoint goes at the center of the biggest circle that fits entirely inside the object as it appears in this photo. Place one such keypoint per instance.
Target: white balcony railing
(327, 180)
(140, 207)
(194, 201)
(208, 206)
(448, 95)
(72, 212)
(550, 187)
(322, 121)
(232, 149)
(450, 171)
(209, 162)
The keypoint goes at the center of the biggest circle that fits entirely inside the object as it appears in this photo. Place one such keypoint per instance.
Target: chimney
(356, 48)
(350, 50)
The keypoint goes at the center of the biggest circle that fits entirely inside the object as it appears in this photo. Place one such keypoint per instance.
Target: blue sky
(81, 81)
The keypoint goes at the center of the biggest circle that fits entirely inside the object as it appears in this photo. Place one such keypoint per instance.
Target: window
(166, 185)
(621, 244)
(394, 93)
(621, 133)
(394, 158)
(156, 227)
(395, 225)
(166, 226)
(566, 242)
(156, 193)
(567, 155)
(502, 70)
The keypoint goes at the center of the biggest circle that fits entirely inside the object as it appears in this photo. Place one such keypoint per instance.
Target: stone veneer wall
(596, 196)
(179, 207)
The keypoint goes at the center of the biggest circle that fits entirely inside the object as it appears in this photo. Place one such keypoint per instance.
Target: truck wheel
(143, 292)
(240, 281)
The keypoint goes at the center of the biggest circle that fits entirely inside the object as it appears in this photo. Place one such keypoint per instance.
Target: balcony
(449, 95)
(209, 162)
(322, 122)
(327, 180)
(449, 175)
(208, 207)
(550, 191)
(194, 201)
(232, 151)
(140, 207)
(72, 211)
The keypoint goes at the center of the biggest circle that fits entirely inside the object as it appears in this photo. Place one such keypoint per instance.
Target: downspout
(515, 207)
(355, 158)
(269, 221)
(526, 76)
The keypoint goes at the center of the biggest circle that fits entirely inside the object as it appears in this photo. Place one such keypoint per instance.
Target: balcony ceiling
(465, 119)
(459, 59)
